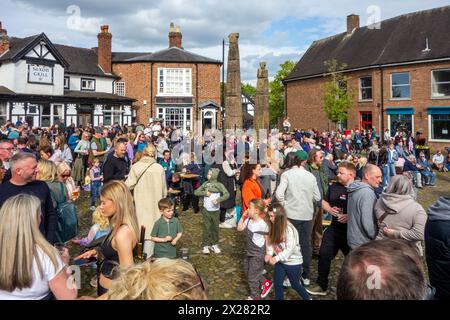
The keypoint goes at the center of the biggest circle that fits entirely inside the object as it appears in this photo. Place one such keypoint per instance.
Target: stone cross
(261, 119)
(233, 98)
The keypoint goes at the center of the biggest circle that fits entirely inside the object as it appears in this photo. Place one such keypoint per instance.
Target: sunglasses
(65, 175)
(200, 283)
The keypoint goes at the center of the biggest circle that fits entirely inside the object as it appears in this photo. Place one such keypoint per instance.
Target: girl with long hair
(283, 252)
(30, 267)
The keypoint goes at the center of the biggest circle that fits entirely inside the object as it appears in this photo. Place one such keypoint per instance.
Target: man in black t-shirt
(335, 237)
(23, 180)
(115, 166)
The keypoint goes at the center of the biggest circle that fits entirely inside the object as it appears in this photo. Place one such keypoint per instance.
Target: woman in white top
(62, 150)
(38, 270)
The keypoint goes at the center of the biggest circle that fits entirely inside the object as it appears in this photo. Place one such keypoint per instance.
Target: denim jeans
(430, 177)
(304, 229)
(95, 192)
(293, 273)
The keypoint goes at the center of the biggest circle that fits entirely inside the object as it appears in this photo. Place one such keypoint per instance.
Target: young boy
(166, 231)
(214, 193)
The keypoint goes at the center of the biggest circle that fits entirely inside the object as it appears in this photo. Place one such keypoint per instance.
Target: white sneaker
(205, 250)
(286, 283)
(215, 248)
(264, 271)
(306, 282)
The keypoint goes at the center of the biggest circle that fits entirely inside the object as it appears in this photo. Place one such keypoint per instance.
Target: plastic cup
(184, 253)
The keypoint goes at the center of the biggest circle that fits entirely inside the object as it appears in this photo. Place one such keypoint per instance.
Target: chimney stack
(4, 40)
(104, 49)
(175, 37)
(352, 23)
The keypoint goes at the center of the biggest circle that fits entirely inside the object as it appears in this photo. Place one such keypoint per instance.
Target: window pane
(45, 121)
(441, 76)
(402, 122)
(400, 92)
(366, 94)
(366, 82)
(441, 90)
(46, 110)
(440, 126)
(400, 78)
(2, 109)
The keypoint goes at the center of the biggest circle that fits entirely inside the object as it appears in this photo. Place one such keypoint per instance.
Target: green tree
(248, 90)
(276, 95)
(337, 99)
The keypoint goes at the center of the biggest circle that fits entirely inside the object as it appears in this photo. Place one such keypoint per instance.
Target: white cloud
(142, 25)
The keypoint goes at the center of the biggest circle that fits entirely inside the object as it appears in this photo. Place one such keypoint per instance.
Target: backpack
(67, 225)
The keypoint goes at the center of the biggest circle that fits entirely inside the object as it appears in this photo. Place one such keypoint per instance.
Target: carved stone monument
(233, 98)
(261, 119)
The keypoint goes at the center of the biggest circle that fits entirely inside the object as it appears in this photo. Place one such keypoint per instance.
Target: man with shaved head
(362, 226)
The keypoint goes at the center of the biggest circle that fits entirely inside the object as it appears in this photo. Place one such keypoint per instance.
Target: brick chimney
(4, 40)
(352, 23)
(104, 49)
(175, 37)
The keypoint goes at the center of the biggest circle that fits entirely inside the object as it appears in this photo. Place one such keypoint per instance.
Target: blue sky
(271, 31)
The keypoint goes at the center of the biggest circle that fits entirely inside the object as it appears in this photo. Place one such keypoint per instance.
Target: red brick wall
(305, 99)
(137, 79)
(137, 86)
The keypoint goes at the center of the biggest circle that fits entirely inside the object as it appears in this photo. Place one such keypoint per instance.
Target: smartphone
(82, 262)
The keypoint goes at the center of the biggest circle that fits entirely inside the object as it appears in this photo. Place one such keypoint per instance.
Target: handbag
(67, 221)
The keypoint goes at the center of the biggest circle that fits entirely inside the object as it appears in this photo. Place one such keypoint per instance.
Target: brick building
(399, 72)
(177, 86)
(44, 83)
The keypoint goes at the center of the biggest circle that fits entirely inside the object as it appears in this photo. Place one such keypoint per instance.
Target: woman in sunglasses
(64, 174)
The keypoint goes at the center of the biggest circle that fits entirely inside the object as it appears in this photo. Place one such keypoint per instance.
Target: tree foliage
(337, 99)
(276, 95)
(248, 90)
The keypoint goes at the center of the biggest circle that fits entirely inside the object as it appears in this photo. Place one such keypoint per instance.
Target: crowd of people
(296, 195)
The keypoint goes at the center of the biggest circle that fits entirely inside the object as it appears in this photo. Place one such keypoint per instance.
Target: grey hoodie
(404, 215)
(361, 226)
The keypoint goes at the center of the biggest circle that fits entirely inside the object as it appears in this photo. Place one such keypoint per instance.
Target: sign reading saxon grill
(40, 74)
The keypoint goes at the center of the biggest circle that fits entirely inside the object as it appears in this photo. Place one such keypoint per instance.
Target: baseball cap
(302, 155)
(98, 130)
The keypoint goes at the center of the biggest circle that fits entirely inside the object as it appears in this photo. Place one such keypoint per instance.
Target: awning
(400, 110)
(439, 110)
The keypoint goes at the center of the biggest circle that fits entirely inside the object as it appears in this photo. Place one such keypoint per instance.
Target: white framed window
(175, 81)
(46, 116)
(180, 117)
(439, 127)
(400, 86)
(87, 84)
(119, 88)
(3, 113)
(67, 83)
(111, 115)
(440, 83)
(58, 113)
(365, 88)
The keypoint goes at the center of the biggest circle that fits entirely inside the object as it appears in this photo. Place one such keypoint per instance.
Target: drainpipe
(196, 98)
(151, 90)
(382, 104)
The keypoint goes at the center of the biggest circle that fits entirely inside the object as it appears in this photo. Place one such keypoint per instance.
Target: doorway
(83, 118)
(366, 120)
